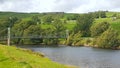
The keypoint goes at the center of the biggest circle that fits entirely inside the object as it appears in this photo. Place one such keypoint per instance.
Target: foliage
(116, 26)
(74, 39)
(19, 29)
(11, 21)
(36, 19)
(109, 39)
(84, 23)
(72, 17)
(55, 24)
(59, 29)
(102, 14)
(58, 25)
(47, 19)
(34, 31)
(98, 28)
(99, 14)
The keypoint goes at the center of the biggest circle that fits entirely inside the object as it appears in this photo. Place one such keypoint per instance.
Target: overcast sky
(72, 6)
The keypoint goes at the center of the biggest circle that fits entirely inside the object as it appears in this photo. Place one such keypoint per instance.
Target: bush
(98, 28)
(109, 39)
(73, 39)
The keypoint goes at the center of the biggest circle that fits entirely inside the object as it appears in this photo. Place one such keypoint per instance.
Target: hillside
(59, 24)
(12, 57)
(70, 24)
(115, 23)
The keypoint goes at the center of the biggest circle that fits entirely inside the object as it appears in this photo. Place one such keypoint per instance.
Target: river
(84, 57)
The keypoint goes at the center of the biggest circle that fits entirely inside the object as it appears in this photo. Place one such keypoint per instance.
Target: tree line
(86, 31)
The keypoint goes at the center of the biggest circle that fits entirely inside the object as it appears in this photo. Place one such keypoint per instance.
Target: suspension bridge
(33, 37)
(9, 37)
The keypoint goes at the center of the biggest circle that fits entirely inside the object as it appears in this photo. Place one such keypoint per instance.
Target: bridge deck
(32, 37)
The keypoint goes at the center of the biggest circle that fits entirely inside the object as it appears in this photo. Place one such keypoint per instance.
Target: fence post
(8, 39)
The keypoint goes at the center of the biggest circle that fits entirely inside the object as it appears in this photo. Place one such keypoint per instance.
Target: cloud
(14, 5)
(65, 5)
(75, 6)
(82, 6)
(25, 5)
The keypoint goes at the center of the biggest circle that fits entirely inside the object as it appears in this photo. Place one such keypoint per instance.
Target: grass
(116, 26)
(12, 57)
(70, 25)
(103, 20)
(45, 26)
(110, 14)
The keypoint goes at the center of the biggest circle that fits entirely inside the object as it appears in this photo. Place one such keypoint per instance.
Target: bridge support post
(67, 33)
(8, 37)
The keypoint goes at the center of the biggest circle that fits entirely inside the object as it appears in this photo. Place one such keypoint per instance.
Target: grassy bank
(12, 57)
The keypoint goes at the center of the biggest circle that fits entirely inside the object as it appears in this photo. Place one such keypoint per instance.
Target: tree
(12, 21)
(72, 17)
(59, 27)
(109, 39)
(99, 14)
(47, 19)
(34, 31)
(102, 14)
(36, 19)
(84, 23)
(73, 39)
(7, 22)
(98, 28)
(19, 28)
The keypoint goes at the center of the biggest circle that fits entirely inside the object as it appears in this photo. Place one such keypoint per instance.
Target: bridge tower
(8, 37)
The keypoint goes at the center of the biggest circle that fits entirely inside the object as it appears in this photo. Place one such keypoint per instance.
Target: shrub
(109, 39)
(98, 28)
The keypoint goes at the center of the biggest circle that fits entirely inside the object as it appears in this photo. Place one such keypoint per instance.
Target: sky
(69, 6)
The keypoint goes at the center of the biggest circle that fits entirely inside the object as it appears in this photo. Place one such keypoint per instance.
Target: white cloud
(68, 5)
(78, 6)
(26, 5)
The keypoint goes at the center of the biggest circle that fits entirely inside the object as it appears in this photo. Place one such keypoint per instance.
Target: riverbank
(12, 57)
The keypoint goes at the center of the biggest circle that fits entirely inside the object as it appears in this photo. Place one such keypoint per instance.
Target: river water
(84, 57)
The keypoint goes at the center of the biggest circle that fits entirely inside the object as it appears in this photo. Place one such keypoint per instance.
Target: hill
(55, 24)
(12, 57)
(65, 16)
(115, 23)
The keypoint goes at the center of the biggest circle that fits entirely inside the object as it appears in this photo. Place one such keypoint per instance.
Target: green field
(12, 57)
(69, 25)
(115, 24)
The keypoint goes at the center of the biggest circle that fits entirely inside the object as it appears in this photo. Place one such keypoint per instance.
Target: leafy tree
(7, 22)
(47, 19)
(49, 32)
(84, 23)
(73, 39)
(36, 19)
(114, 15)
(19, 28)
(34, 31)
(96, 14)
(99, 14)
(59, 28)
(102, 14)
(72, 17)
(109, 39)
(12, 21)
(98, 28)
